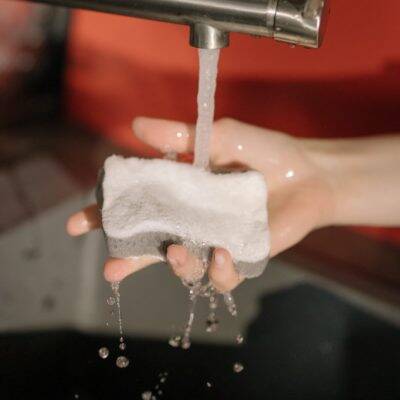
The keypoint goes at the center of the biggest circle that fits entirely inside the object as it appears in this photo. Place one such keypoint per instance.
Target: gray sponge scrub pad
(147, 205)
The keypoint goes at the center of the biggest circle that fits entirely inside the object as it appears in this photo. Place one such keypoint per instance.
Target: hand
(299, 192)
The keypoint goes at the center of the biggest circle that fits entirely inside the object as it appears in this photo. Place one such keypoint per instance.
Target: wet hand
(221, 271)
(299, 192)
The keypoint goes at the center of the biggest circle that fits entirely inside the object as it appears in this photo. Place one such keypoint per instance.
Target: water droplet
(163, 379)
(208, 384)
(111, 301)
(239, 339)
(159, 392)
(232, 309)
(122, 362)
(104, 352)
(115, 287)
(238, 367)
(147, 395)
(289, 174)
(212, 324)
(76, 396)
(186, 344)
(122, 346)
(230, 304)
(175, 341)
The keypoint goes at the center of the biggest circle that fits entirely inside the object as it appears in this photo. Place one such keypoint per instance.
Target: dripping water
(122, 361)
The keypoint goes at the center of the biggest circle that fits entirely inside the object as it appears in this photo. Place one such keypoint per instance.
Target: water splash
(149, 394)
(117, 297)
(230, 303)
(212, 321)
(111, 301)
(193, 295)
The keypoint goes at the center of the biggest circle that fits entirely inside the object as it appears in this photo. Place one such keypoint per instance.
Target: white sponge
(148, 204)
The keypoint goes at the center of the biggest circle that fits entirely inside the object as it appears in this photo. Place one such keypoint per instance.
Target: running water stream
(208, 71)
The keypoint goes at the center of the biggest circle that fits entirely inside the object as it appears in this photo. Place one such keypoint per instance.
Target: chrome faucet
(298, 22)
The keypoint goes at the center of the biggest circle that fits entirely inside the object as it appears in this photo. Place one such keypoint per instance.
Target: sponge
(147, 205)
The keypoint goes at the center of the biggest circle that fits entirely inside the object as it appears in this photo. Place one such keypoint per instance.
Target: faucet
(298, 22)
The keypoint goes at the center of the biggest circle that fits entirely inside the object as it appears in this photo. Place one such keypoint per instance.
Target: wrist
(329, 170)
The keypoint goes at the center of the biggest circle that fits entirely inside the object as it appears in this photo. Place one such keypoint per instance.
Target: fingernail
(219, 259)
(83, 222)
(77, 224)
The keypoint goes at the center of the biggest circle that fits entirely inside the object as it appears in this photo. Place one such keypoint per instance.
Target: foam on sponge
(148, 204)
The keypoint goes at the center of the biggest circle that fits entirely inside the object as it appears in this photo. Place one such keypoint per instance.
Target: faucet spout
(207, 37)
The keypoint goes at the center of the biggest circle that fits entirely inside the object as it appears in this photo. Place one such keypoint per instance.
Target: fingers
(179, 137)
(222, 272)
(165, 135)
(232, 142)
(84, 221)
(116, 269)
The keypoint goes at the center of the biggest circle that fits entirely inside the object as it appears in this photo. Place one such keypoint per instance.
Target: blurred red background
(120, 68)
